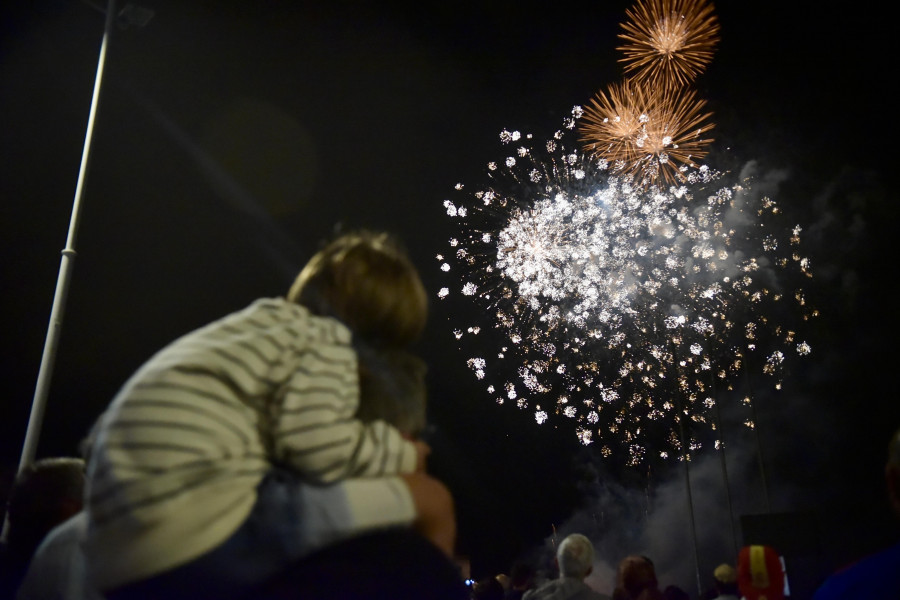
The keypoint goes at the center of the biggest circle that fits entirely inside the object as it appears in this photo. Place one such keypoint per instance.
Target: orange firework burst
(646, 133)
(669, 41)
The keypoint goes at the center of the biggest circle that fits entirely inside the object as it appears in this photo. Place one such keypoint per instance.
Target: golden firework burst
(646, 133)
(669, 42)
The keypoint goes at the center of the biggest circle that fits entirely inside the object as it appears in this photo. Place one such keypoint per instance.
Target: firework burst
(616, 307)
(669, 42)
(646, 134)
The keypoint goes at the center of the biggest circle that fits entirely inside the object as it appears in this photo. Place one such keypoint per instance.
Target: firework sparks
(669, 42)
(615, 305)
(646, 134)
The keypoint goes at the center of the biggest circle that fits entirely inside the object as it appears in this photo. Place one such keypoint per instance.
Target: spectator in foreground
(57, 570)
(391, 383)
(875, 576)
(201, 464)
(575, 560)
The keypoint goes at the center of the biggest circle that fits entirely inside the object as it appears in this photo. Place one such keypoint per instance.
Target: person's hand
(422, 452)
(436, 516)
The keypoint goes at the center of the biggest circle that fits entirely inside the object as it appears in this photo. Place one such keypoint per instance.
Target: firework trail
(619, 306)
(669, 42)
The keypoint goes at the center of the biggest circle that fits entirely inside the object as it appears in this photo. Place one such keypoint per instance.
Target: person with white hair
(575, 560)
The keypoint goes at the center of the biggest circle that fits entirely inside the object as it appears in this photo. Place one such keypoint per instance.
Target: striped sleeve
(317, 431)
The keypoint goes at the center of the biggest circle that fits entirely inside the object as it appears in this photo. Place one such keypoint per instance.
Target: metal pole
(51, 343)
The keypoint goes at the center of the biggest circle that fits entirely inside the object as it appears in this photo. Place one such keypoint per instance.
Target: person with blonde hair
(725, 582)
(239, 448)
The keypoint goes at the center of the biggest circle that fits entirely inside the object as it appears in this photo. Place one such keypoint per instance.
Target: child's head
(366, 280)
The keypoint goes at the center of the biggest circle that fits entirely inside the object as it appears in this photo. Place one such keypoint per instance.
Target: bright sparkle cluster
(651, 124)
(620, 307)
(669, 41)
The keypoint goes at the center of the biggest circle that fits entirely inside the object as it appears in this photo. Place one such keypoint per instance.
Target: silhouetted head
(503, 578)
(636, 578)
(575, 556)
(392, 389)
(725, 578)
(521, 576)
(487, 589)
(45, 494)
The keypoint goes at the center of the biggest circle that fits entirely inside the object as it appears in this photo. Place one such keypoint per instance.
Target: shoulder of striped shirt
(323, 323)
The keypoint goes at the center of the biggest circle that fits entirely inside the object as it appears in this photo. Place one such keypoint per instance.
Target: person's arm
(435, 512)
(355, 506)
(315, 428)
(327, 449)
(348, 508)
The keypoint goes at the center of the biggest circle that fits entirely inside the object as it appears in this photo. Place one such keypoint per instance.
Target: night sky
(234, 136)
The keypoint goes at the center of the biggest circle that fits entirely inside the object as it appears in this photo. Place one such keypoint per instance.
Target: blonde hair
(366, 280)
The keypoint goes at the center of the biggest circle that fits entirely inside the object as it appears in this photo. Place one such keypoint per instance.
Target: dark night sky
(233, 136)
